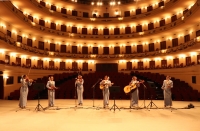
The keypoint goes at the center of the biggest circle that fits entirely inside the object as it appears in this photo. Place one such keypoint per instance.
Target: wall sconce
(6, 61)
(5, 77)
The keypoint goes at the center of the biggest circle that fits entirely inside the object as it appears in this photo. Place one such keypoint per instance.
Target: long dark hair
(24, 76)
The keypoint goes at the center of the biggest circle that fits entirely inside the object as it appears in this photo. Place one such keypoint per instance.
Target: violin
(29, 80)
(79, 79)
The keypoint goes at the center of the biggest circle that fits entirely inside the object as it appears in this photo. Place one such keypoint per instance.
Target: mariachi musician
(25, 81)
(79, 85)
(51, 91)
(135, 93)
(167, 85)
(104, 85)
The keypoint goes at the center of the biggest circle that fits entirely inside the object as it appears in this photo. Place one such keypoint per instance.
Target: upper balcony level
(76, 13)
(124, 32)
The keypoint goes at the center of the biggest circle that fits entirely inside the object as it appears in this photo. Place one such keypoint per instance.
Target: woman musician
(106, 83)
(134, 94)
(79, 85)
(25, 81)
(167, 85)
(51, 91)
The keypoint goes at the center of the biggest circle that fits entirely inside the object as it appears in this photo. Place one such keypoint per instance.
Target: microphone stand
(144, 96)
(93, 87)
(75, 97)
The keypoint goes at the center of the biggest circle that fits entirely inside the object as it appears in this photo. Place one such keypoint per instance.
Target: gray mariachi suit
(51, 93)
(24, 92)
(135, 94)
(106, 92)
(167, 85)
(80, 89)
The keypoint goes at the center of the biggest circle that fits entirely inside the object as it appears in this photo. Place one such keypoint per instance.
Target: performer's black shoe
(80, 104)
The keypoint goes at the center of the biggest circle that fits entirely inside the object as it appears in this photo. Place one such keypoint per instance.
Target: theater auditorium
(99, 65)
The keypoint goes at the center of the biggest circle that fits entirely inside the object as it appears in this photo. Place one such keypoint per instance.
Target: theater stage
(64, 118)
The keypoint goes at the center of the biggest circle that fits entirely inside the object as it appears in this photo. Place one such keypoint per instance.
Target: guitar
(129, 88)
(102, 86)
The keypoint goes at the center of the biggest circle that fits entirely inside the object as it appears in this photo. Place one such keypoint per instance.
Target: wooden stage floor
(63, 117)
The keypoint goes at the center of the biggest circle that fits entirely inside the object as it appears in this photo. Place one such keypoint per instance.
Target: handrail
(23, 46)
(100, 36)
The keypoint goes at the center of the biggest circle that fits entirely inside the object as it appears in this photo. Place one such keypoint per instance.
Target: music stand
(39, 87)
(113, 90)
(151, 104)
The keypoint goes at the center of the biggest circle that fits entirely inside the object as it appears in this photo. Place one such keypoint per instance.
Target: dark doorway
(107, 67)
